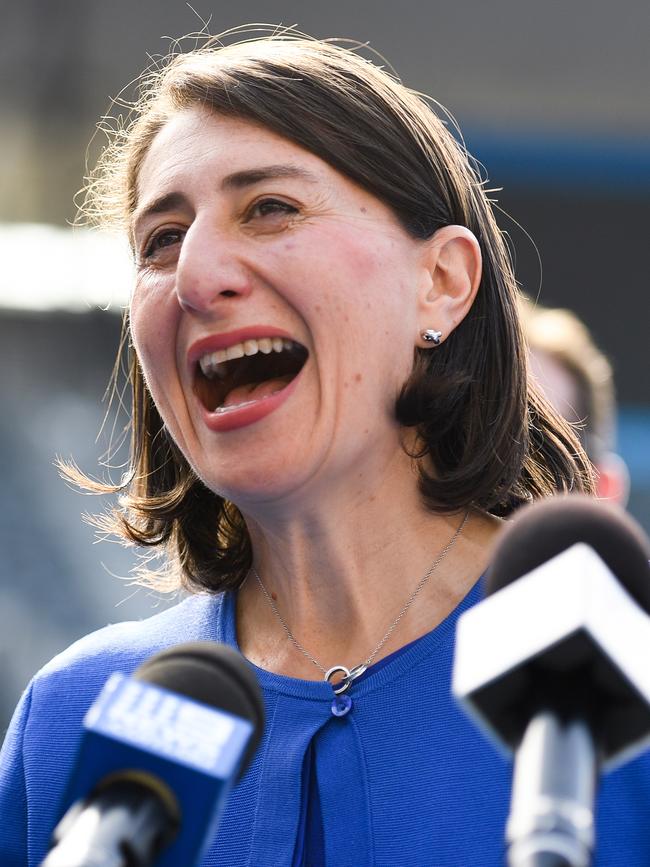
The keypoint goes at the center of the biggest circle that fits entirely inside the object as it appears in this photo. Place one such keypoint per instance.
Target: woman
(330, 418)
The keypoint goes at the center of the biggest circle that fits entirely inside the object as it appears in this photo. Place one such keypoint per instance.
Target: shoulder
(63, 690)
(123, 646)
(43, 738)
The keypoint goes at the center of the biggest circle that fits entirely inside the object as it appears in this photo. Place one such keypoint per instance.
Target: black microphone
(159, 754)
(553, 666)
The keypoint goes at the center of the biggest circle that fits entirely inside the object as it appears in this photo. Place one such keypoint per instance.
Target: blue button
(341, 704)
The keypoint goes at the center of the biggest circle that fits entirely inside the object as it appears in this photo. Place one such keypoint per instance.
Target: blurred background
(552, 98)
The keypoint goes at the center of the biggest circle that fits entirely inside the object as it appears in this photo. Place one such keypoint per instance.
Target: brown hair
(492, 441)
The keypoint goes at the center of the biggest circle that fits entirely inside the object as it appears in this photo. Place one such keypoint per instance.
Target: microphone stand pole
(551, 821)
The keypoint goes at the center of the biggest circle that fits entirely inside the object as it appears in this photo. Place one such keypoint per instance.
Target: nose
(210, 269)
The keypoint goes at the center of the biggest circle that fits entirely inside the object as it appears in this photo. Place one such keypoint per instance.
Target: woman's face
(274, 312)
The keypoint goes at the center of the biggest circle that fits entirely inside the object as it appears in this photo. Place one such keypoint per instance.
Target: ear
(453, 264)
(613, 479)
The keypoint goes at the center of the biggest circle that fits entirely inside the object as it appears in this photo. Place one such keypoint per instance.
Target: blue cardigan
(402, 780)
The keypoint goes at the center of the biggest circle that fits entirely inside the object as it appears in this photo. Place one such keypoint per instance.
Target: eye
(161, 241)
(270, 208)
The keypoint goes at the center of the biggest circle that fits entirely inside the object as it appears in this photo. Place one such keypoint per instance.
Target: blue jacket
(402, 780)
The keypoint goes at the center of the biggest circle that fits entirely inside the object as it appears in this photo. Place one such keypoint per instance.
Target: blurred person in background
(331, 418)
(578, 380)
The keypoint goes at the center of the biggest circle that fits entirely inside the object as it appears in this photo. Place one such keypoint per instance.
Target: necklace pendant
(342, 704)
(348, 676)
(357, 671)
(342, 684)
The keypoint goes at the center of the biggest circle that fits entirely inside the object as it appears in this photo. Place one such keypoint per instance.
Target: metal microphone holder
(551, 821)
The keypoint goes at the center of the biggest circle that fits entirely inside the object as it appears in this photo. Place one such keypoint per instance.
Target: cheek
(367, 280)
(366, 304)
(381, 281)
(153, 323)
(142, 328)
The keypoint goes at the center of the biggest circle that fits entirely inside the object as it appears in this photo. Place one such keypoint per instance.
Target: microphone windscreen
(543, 529)
(213, 674)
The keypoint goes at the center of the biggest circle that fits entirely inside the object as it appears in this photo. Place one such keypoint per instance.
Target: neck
(340, 574)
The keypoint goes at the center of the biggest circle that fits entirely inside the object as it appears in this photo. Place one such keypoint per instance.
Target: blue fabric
(404, 779)
(310, 850)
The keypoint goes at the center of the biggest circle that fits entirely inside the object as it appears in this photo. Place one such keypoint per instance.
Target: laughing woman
(330, 419)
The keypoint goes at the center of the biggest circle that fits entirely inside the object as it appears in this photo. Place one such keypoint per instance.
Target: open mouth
(247, 372)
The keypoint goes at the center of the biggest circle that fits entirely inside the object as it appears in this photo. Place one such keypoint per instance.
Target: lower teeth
(221, 410)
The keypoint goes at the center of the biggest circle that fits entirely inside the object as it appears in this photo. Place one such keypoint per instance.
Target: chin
(255, 487)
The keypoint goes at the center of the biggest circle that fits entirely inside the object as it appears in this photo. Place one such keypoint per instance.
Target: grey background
(553, 98)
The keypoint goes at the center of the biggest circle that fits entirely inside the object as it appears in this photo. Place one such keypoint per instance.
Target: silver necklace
(350, 674)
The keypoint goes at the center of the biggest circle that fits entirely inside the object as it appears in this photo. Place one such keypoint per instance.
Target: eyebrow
(235, 181)
(248, 177)
(164, 203)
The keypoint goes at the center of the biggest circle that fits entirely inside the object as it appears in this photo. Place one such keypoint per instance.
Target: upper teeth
(212, 362)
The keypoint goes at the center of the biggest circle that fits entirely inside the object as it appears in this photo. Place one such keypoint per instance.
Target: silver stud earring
(431, 336)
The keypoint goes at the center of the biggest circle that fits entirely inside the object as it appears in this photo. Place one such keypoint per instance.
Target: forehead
(196, 139)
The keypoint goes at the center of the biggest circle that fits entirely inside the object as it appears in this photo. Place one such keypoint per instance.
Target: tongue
(255, 390)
